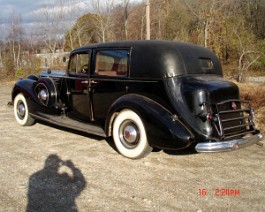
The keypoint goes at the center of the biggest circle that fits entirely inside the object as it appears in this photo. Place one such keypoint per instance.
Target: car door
(108, 80)
(77, 82)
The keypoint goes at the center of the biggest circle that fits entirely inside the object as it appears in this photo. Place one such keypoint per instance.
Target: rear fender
(164, 130)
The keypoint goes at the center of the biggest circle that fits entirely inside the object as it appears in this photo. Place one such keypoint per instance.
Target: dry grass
(255, 93)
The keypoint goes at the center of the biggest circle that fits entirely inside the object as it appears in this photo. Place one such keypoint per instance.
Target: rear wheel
(21, 111)
(129, 135)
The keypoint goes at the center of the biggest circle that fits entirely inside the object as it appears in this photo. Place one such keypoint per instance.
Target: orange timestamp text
(220, 192)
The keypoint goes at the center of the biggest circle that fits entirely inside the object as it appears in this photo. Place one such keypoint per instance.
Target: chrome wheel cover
(42, 93)
(129, 134)
(21, 110)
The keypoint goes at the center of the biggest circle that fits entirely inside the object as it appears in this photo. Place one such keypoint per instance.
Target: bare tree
(15, 37)
(147, 20)
(103, 9)
(126, 17)
(160, 12)
(126, 20)
(254, 15)
(54, 21)
(208, 13)
(72, 13)
(177, 22)
(1, 43)
(248, 55)
(136, 21)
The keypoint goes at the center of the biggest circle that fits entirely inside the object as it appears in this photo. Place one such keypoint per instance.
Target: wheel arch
(27, 88)
(24, 86)
(122, 103)
(163, 131)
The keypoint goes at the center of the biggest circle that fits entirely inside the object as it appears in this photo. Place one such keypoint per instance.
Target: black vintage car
(145, 94)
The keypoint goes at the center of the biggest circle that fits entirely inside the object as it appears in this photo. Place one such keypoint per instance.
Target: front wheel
(129, 135)
(21, 111)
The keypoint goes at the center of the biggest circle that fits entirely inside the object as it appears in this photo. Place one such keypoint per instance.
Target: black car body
(146, 94)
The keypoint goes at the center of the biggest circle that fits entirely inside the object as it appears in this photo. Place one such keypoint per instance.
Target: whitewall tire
(21, 111)
(129, 135)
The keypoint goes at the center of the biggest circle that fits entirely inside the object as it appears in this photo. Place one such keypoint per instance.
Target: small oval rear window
(206, 63)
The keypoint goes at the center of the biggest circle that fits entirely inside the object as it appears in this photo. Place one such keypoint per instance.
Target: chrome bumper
(226, 146)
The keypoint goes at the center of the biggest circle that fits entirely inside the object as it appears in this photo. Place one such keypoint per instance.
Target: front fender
(24, 86)
(27, 88)
(164, 130)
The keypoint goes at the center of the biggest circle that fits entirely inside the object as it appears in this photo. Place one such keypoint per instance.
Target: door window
(112, 62)
(79, 63)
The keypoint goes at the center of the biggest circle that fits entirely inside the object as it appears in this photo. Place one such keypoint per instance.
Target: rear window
(112, 62)
(199, 60)
(206, 64)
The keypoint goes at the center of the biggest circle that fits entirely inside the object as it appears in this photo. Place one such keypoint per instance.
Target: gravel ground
(49, 169)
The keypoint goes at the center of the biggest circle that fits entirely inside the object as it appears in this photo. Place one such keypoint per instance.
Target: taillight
(209, 117)
(202, 110)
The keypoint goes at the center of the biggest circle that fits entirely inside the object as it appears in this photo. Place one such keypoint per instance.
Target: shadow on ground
(110, 142)
(55, 187)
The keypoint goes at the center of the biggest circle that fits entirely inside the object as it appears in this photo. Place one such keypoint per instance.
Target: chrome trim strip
(226, 146)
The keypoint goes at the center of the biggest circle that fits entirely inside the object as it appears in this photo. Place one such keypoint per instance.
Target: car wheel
(129, 135)
(21, 111)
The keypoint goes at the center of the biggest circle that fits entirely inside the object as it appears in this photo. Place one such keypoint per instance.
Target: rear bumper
(231, 145)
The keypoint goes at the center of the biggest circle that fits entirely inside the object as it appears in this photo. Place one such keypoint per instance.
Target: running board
(64, 121)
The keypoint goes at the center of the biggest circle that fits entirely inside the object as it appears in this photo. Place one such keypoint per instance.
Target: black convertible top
(161, 59)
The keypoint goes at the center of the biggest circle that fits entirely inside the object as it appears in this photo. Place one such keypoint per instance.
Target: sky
(26, 7)
(28, 10)
(31, 12)
(8, 6)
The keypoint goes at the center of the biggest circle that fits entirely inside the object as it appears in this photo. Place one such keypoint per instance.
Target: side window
(112, 62)
(79, 63)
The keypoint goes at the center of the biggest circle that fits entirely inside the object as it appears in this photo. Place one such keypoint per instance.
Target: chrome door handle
(84, 82)
(93, 82)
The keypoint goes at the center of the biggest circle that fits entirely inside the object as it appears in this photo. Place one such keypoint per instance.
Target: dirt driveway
(42, 166)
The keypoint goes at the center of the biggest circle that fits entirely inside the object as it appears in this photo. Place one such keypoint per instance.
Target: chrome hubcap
(129, 134)
(21, 110)
(43, 95)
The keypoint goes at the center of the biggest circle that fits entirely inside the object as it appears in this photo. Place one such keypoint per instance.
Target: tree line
(233, 29)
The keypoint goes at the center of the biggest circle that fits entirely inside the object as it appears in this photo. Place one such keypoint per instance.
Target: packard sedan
(145, 94)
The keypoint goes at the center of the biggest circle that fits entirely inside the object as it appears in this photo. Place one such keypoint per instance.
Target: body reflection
(55, 187)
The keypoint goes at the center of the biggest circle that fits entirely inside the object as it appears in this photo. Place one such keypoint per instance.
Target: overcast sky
(31, 11)
(26, 7)
(23, 7)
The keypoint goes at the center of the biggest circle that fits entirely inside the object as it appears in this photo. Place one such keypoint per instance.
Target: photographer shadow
(55, 187)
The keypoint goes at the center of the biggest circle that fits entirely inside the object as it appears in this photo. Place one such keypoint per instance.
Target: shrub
(255, 93)
(9, 67)
(20, 73)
